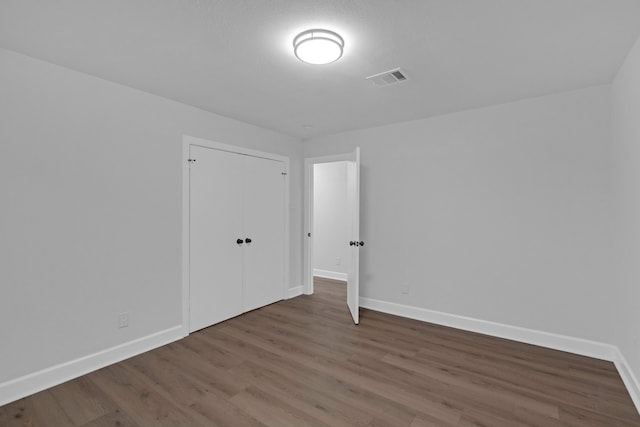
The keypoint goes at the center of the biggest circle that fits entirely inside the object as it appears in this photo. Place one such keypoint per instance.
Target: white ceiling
(234, 57)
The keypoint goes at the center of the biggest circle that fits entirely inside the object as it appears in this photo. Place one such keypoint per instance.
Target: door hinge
(191, 160)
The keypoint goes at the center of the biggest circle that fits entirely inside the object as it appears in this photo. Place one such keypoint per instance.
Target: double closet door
(236, 234)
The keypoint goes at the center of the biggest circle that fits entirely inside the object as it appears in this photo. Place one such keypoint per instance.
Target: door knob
(352, 243)
(239, 241)
(361, 243)
(247, 240)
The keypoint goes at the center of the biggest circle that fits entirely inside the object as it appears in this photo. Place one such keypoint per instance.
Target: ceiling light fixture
(318, 46)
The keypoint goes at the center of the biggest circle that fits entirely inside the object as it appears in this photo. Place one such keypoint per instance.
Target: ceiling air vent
(388, 77)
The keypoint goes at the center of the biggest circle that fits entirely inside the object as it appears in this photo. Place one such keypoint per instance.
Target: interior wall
(90, 225)
(501, 214)
(626, 126)
(330, 219)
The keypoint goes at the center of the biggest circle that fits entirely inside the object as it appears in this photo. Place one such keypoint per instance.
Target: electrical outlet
(123, 319)
(405, 289)
(338, 261)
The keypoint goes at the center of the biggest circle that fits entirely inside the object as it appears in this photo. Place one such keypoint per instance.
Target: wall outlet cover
(123, 319)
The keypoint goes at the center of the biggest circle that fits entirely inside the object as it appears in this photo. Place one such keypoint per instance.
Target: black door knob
(361, 243)
(247, 240)
(352, 243)
(239, 241)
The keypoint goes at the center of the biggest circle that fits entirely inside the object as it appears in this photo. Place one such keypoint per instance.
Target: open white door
(353, 193)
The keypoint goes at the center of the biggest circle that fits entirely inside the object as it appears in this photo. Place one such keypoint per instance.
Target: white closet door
(264, 218)
(216, 259)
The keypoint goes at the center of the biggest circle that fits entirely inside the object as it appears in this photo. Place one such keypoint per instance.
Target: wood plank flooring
(302, 362)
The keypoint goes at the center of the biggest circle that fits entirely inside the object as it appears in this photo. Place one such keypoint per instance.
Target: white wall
(500, 214)
(90, 221)
(330, 220)
(626, 121)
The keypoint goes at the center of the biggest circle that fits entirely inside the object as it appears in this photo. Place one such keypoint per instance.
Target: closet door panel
(264, 217)
(216, 260)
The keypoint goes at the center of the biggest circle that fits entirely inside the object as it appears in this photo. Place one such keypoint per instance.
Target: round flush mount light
(318, 46)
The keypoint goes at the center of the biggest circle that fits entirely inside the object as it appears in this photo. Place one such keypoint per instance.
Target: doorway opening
(332, 243)
(331, 225)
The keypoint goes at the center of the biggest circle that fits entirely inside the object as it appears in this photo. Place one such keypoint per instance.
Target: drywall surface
(626, 128)
(331, 221)
(501, 214)
(90, 225)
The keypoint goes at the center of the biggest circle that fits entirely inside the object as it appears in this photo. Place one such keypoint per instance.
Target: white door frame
(309, 162)
(188, 141)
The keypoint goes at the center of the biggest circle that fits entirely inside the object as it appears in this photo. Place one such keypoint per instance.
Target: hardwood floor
(302, 362)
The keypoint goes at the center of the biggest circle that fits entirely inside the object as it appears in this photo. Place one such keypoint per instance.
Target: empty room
(319, 213)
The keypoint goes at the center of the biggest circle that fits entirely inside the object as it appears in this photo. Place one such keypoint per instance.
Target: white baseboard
(32, 383)
(330, 274)
(574, 345)
(294, 292)
(530, 336)
(629, 379)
